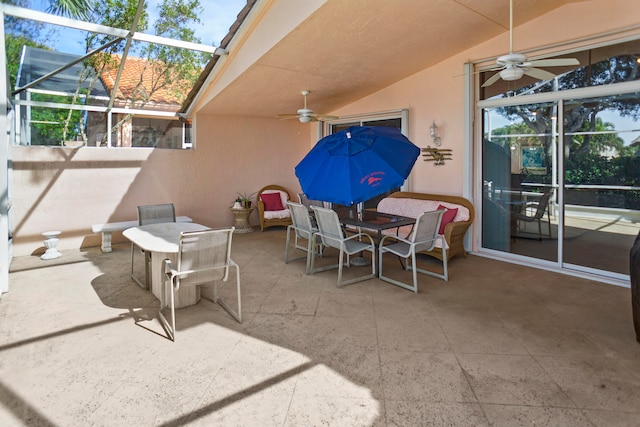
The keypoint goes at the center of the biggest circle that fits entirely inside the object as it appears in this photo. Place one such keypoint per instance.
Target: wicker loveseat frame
(264, 222)
(454, 231)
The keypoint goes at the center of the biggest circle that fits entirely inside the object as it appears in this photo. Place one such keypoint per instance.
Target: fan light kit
(513, 73)
(306, 115)
(515, 65)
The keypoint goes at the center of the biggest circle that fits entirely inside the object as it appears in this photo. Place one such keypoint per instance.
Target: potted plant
(245, 201)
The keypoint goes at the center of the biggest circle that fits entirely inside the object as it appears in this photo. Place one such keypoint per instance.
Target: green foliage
(51, 130)
(78, 9)
(594, 169)
(14, 45)
(176, 69)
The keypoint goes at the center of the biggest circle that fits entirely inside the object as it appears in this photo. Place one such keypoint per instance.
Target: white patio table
(161, 240)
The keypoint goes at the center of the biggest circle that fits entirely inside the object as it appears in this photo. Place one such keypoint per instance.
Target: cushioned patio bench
(413, 204)
(108, 228)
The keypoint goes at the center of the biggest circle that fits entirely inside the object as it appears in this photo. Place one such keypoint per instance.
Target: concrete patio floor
(499, 344)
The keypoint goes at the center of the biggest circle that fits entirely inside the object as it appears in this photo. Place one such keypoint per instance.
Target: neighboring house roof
(141, 82)
(138, 75)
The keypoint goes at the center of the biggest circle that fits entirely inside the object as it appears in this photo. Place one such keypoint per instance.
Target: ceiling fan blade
(539, 74)
(287, 116)
(559, 62)
(492, 80)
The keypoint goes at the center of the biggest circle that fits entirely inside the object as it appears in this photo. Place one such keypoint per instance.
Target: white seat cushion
(277, 214)
(412, 208)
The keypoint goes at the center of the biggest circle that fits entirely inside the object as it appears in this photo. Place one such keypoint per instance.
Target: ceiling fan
(306, 115)
(513, 66)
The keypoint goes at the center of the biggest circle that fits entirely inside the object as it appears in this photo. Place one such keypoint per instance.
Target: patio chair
(272, 206)
(332, 235)
(304, 229)
(304, 200)
(534, 212)
(423, 238)
(204, 258)
(151, 214)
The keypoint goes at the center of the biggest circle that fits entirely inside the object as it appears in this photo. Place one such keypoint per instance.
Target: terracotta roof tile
(138, 76)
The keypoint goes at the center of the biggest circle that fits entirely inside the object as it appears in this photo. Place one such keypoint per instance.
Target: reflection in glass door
(564, 188)
(601, 182)
(519, 180)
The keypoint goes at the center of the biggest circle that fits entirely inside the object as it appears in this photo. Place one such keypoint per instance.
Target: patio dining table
(373, 220)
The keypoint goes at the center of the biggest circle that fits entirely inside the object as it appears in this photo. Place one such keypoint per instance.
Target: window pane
(602, 181)
(602, 66)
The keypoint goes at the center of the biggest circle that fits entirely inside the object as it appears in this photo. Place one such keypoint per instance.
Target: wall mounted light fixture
(433, 131)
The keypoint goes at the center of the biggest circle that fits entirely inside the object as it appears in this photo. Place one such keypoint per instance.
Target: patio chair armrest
(429, 241)
(395, 238)
(353, 237)
(170, 273)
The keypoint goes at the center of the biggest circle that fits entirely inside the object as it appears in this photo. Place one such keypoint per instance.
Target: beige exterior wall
(71, 189)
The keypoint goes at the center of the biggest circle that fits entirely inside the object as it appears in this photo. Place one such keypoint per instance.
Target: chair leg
(169, 327)
(342, 283)
(235, 314)
(414, 271)
(340, 264)
(445, 273)
(387, 279)
(286, 248)
(295, 246)
(146, 269)
(539, 230)
(311, 252)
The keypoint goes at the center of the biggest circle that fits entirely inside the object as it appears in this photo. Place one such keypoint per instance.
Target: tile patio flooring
(499, 344)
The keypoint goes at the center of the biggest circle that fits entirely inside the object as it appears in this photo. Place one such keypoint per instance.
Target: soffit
(347, 50)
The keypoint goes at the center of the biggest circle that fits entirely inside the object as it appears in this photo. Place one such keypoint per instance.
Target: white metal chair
(204, 258)
(423, 238)
(151, 214)
(304, 200)
(303, 228)
(332, 235)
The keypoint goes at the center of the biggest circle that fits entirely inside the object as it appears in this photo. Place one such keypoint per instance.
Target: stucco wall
(71, 189)
(436, 94)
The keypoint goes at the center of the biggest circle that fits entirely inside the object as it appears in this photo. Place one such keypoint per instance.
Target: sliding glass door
(601, 186)
(560, 163)
(520, 178)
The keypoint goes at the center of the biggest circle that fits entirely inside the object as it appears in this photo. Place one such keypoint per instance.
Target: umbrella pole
(360, 261)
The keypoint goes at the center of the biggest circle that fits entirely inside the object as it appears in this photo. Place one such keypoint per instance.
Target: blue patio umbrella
(356, 164)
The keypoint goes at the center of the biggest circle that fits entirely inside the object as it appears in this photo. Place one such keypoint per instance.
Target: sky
(217, 17)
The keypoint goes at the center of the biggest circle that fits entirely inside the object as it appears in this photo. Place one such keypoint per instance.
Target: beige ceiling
(347, 50)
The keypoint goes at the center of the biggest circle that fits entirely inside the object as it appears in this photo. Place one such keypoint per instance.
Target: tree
(598, 142)
(581, 115)
(78, 9)
(165, 68)
(20, 33)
